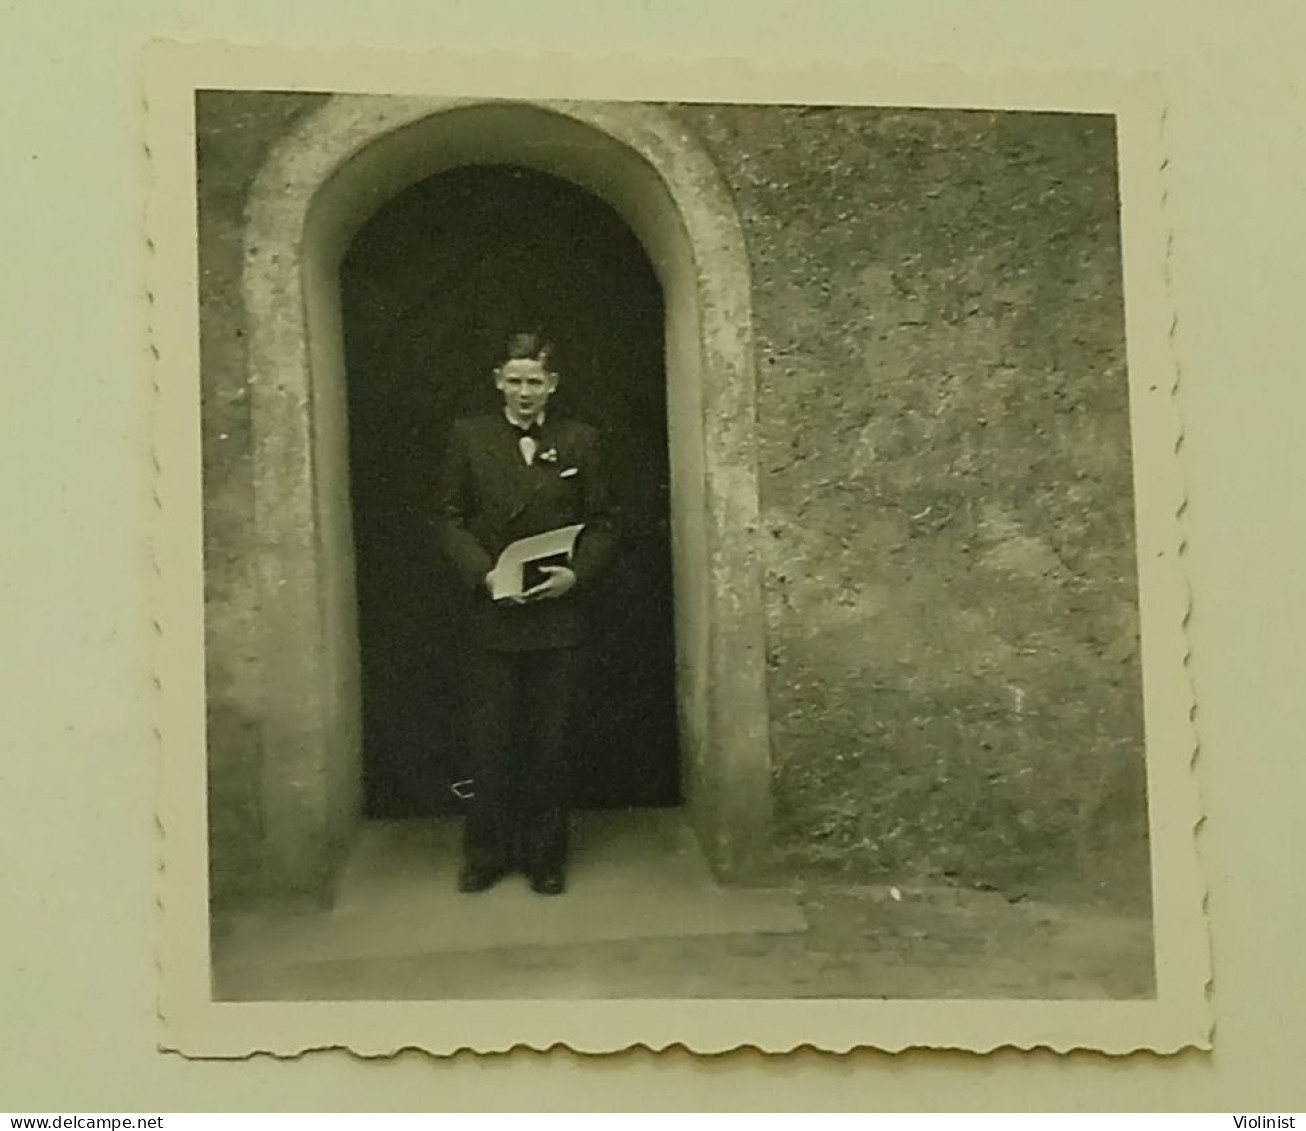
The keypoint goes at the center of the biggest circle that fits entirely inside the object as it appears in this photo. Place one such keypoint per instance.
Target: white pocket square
(568, 473)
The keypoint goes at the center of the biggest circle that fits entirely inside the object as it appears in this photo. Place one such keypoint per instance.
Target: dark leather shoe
(475, 878)
(548, 883)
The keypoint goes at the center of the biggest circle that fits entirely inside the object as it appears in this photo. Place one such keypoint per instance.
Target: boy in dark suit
(506, 476)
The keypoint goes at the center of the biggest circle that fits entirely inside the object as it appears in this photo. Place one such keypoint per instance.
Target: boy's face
(526, 387)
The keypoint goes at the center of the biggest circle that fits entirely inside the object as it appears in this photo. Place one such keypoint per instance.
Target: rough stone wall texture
(946, 490)
(945, 479)
(234, 132)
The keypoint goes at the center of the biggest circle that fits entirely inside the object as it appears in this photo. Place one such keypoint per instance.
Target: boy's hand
(560, 581)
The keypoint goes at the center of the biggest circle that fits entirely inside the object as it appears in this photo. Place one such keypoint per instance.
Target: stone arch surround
(318, 185)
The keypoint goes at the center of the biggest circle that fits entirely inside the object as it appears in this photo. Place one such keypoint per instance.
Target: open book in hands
(521, 567)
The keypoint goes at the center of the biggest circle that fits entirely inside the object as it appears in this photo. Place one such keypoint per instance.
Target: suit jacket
(489, 496)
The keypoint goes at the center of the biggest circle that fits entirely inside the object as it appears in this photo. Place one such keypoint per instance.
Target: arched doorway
(317, 188)
(431, 286)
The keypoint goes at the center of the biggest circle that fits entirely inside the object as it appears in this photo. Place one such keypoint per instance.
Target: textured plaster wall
(946, 490)
(945, 479)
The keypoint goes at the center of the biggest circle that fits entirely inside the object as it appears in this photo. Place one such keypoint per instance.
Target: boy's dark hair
(529, 346)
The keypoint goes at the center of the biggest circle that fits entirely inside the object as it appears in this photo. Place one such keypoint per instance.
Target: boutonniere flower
(549, 456)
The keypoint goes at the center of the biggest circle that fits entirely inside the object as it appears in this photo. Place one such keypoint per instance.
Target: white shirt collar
(508, 416)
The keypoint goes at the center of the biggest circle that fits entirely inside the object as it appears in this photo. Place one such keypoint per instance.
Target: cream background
(77, 1030)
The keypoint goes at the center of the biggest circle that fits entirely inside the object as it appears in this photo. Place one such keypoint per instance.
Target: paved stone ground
(861, 942)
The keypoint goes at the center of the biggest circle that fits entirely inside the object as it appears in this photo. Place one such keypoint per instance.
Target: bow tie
(533, 431)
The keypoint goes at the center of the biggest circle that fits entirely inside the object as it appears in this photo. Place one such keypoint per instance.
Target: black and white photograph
(671, 551)
(724, 557)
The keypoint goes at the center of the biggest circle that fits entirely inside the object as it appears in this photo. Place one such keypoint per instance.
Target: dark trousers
(522, 728)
